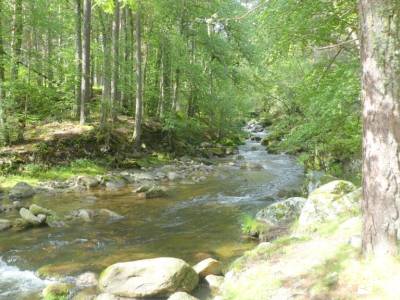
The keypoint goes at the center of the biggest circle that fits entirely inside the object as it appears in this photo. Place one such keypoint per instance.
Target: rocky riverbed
(191, 210)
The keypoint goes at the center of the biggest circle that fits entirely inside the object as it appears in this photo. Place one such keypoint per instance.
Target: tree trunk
(139, 83)
(87, 11)
(3, 130)
(380, 25)
(115, 59)
(175, 95)
(161, 100)
(106, 95)
(78, 55)
(16, 41)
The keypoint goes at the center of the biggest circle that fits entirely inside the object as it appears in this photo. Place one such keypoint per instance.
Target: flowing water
(195, 221)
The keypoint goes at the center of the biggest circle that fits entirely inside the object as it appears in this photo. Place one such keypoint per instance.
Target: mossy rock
(57, 291)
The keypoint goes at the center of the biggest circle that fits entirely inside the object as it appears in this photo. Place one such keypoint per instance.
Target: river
(193, 222)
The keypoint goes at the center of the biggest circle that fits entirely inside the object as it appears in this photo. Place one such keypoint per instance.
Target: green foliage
(252, 227)
(312, 91)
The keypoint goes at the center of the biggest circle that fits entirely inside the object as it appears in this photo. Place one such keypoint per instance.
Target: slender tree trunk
(115, 59)
(49, 52)
(380, 23)
(78, 56)
(175, 95)
(139, 80)
(3, 130)
(144, 76)
(87, 11)
(126, 68)
(161, 100)
(106, 95)
(16, 41)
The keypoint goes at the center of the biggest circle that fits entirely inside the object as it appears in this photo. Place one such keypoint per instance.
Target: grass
(253, 227)
(35, 173)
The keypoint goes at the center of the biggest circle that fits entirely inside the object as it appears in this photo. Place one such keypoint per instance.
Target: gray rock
(207, 267)
(28, 216)
(86, 215)
(88, 182)
(282, 212)
(330, 201)
(172, 176)
(115, 183)
(214, 282)
(154, 192)
(21, 190)
(157, 277)
(5, 224)
(87, 279)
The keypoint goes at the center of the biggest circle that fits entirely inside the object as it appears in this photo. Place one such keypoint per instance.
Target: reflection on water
(194, 221)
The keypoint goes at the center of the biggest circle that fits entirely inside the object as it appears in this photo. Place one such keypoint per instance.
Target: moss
(57, 291)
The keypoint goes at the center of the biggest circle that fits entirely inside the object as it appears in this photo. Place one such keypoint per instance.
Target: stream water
(195, 221)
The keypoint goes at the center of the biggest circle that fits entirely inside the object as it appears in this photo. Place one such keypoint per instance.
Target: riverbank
(62, 150)
(320, 257)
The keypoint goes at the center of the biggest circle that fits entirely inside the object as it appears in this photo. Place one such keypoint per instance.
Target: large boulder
(158, 277)
(330, 201)
(207, 267)
(282, 212)
(29, 217)
(21, 190)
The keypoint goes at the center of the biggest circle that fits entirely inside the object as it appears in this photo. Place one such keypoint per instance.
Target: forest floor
(325, 264)
(61, 150)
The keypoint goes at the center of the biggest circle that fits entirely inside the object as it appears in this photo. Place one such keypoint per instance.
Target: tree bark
(161, 100)
(106, 94)
(85, 87)
(78, 55)
(139, 83)
(115, 59)
(380, 24)
(3, 130)
(16, 41)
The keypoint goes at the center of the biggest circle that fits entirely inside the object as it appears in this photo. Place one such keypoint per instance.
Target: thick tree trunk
(87, 12)
(380, 24)
(139, 83)
(78, 55)
(115, 58)
(16, 41)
